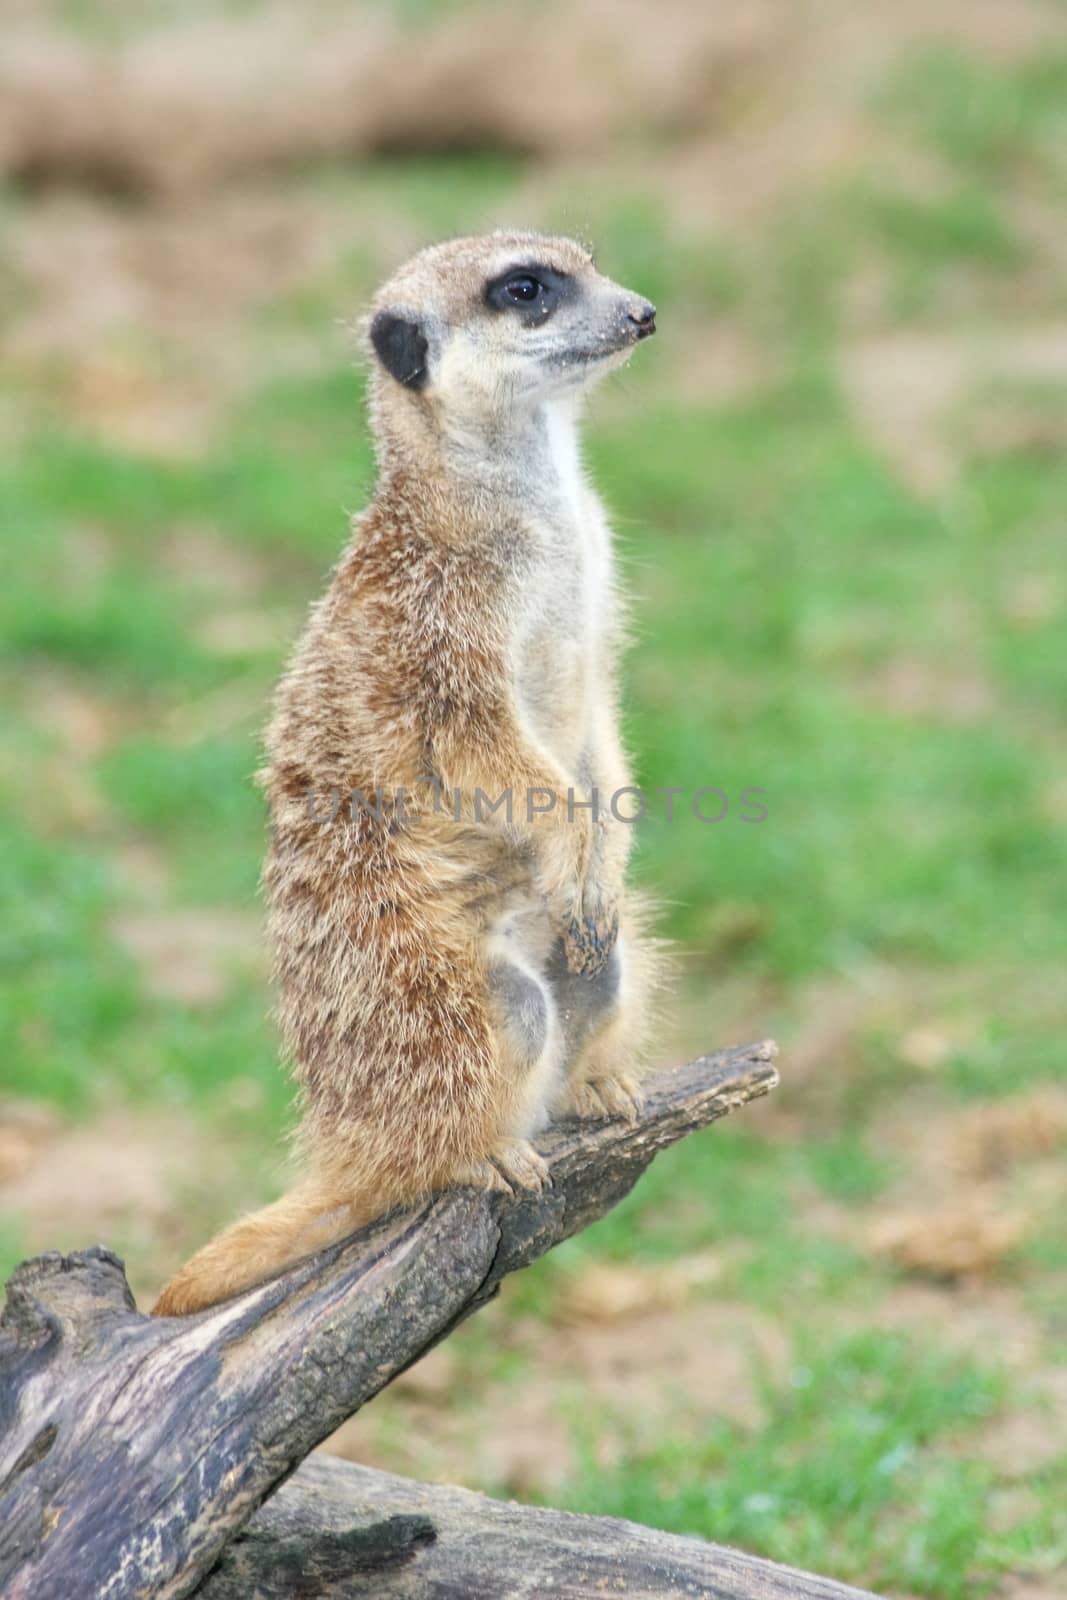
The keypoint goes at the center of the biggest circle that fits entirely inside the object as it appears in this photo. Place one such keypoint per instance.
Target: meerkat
(455, 968)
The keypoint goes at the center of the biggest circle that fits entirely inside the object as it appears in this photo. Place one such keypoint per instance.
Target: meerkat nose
(643, 314)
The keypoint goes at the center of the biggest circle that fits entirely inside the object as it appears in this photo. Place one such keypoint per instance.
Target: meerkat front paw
(598, 1099)
(511, 1165)
(590, 936)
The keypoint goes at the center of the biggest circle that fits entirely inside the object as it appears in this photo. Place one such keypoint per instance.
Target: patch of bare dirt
(153, 1184)
(58, 786)
(833, 1017)
(1010, 426)
(952, 1148)
(639, 1374)
(612, 1292)
(723, 365)
(1017, 1588)
(907, 686)
(993, 1138)
(829, 1035)
(179, 107)
(799, 116)
(120, 396)
(26, 1126)
(84, 722)
(242, 631)
(233, 620)
(192, 956)
(209, 97)
(975, 1185)
(967, 1237)
(116, 1178)
(908, 389)
(130, 319)
(705, 1356)
(86, 1179)
(1020, 1443)
(989, 1321)
(929, 1045)
(141, 872)
(200, 557)
(902, 386)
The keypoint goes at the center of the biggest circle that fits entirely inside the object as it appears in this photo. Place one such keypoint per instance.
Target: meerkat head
(477, 327)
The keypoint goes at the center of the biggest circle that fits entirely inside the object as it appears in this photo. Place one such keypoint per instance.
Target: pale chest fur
(564, 611)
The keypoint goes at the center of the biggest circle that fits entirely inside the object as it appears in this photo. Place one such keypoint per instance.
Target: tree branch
(132, 1450)
(347, 1533)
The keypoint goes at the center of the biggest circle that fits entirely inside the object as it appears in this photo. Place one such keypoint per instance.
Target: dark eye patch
(532, 292)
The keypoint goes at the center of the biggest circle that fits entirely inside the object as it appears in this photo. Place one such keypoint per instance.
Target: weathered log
(342, 1532)
(132, 1450)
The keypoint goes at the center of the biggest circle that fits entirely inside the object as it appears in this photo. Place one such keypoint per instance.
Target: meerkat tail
(264, 1243)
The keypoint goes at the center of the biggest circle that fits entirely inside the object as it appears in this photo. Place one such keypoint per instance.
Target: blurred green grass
(788, 576)
(838, 1468)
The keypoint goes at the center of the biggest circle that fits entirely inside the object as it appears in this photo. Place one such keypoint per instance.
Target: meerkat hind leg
(527, 1036)
(614, 1093)
(595, 1013)
(511, 1164)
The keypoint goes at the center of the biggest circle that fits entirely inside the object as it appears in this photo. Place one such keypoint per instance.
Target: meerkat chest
(565, 604)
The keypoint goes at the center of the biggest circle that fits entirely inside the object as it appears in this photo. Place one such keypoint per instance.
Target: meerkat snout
(643, 316)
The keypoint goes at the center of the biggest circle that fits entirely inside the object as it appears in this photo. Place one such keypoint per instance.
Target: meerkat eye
(531, 292)
(523, 289)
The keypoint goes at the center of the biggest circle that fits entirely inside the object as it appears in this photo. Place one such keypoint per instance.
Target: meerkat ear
(401, 348)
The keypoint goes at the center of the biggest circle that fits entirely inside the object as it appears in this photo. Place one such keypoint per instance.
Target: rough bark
(133, 1450)
(342, 1532)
